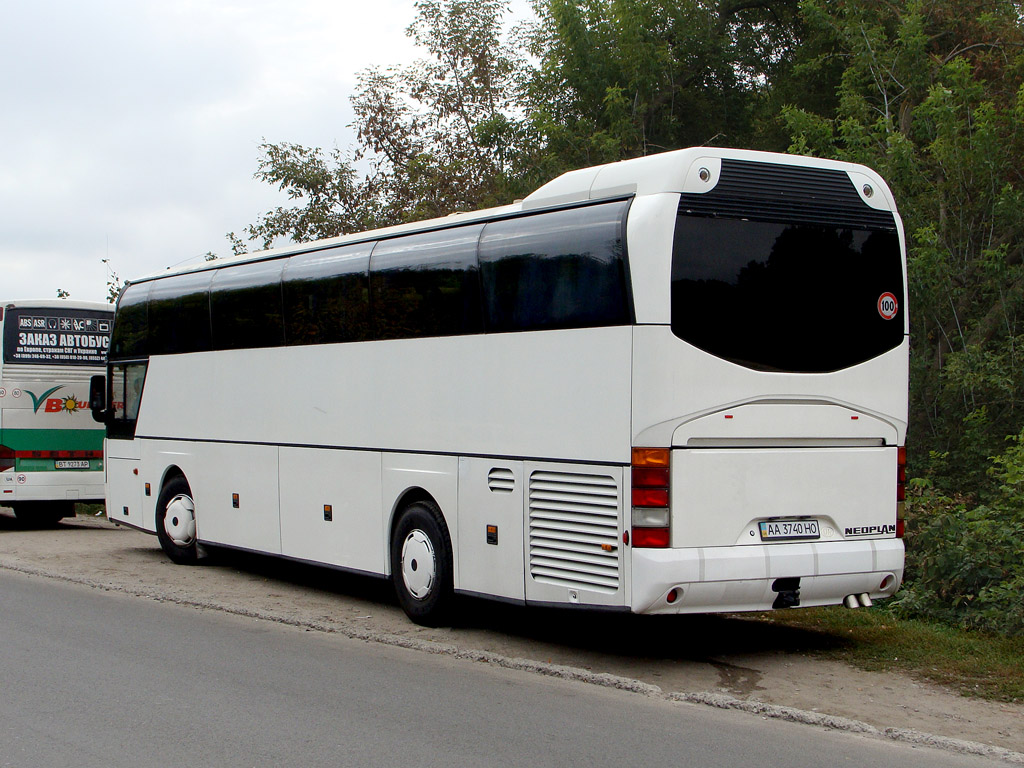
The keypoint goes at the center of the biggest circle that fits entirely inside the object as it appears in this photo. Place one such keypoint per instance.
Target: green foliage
(621, 78)
(964, 563)
(931, 96)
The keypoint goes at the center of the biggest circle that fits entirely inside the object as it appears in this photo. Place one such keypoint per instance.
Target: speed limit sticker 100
(887, 306)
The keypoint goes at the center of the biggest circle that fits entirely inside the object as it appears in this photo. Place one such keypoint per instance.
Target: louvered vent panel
(501, 480)
(574, 530)
(776, 192)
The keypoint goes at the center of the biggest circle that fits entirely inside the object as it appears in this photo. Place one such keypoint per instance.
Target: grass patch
(973, 663)
(89, 510)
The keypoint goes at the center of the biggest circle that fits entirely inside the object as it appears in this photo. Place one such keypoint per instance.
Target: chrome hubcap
(180, 520)
(419, 568)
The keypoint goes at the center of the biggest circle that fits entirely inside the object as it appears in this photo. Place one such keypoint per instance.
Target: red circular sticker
(887, 306)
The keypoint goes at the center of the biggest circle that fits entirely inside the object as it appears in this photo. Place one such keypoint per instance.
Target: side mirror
(98, 398)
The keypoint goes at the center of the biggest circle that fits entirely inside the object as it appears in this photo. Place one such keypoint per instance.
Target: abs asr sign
(887, 306)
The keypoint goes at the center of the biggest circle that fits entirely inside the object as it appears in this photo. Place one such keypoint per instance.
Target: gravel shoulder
(720, 660)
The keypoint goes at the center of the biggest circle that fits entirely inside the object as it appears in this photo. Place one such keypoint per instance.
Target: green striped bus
(51, 450)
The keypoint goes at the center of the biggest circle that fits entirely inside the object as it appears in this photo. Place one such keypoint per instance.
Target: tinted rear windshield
(778, 296)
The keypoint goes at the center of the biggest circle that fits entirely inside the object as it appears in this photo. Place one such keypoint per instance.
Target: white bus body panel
(720, 495)
(251, 471)
(526, 399)
(491, 494)
(349, 483)
(677, 383)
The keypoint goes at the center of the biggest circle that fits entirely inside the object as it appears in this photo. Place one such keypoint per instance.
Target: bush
(964, 559)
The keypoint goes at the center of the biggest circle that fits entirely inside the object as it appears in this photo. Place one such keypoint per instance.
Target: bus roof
(693, 170)
(100, 306)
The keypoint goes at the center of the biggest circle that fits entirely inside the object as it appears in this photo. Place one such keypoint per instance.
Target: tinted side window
(245, 306)
(426, 284)
(563, 269)
(179, 314)
(327, 295)
(131, 325)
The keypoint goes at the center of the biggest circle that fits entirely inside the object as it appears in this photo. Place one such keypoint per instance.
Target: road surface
(94, 678)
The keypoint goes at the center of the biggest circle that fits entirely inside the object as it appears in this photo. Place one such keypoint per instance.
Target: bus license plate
(71, 464)
(780, 530)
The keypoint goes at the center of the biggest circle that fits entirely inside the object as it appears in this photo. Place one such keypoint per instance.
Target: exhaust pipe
(851, 601)
(865, 600)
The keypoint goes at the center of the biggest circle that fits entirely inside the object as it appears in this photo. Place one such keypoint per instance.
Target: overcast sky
(130, 130)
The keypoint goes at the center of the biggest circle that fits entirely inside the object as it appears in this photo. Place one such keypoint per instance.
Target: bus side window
(562, 269)
(179, 314)
(126, 382)
(426, 284)
(246, 306)
(327, 295)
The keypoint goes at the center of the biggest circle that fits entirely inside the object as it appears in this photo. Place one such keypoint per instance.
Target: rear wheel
(176, 522)
(421, 563)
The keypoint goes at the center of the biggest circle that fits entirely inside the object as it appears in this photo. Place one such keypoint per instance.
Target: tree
(436, 136)
(622, 78)
(932, 96)
(114, 284)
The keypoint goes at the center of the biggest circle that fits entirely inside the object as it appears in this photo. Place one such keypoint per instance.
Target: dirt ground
(722, 660)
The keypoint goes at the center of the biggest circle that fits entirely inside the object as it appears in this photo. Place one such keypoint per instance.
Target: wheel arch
(410, 496)
(170, 472)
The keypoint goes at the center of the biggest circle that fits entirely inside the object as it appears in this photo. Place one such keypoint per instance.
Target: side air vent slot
(501, 480)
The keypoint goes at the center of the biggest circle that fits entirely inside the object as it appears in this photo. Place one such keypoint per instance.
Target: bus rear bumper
(51, 486)
(733, 579)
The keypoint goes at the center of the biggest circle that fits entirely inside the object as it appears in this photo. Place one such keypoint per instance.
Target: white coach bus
(51, 451)
(671, 384)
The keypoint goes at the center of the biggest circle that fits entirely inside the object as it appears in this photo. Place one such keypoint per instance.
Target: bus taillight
(650, 497)
(6, 458)
(901, 491)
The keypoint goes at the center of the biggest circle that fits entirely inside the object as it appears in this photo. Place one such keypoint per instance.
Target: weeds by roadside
(971, 662)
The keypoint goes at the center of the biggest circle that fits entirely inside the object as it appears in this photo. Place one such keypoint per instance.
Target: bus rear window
(780, 296)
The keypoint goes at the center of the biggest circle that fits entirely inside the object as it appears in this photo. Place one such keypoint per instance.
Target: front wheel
(421, 563)
(176, 522)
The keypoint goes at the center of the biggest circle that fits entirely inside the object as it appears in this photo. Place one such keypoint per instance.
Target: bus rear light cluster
(6, 458)
(901, 490)
(650, 498)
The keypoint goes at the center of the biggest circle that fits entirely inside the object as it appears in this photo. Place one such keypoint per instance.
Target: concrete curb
(706, 698)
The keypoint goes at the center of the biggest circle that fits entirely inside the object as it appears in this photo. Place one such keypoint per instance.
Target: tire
(421, 564)
(42, 514)
(176, 522)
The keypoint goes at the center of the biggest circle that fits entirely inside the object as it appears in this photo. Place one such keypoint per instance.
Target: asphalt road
(89, 678)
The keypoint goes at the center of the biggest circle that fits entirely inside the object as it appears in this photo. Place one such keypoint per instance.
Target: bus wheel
(176, 522)
(421, 563)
